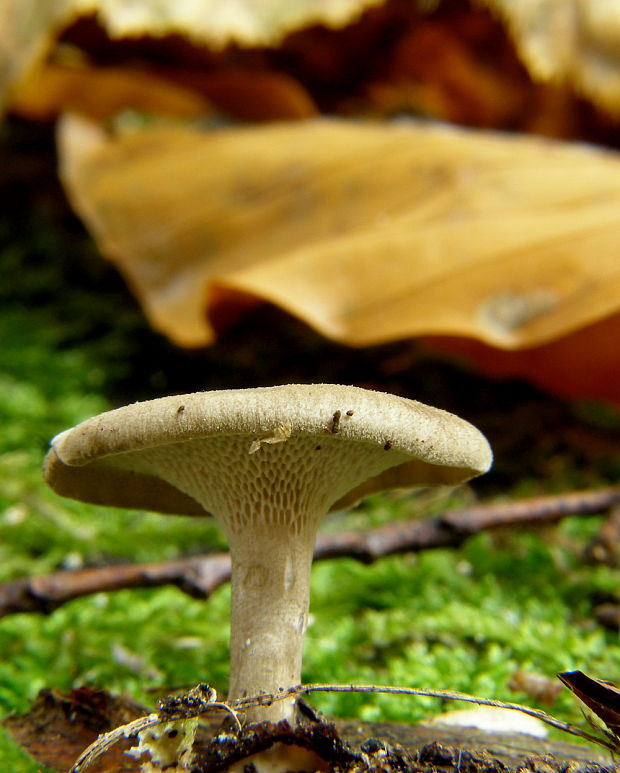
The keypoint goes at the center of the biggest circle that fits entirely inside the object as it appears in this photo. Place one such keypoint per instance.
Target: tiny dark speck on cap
(335, 422)
(180, 409)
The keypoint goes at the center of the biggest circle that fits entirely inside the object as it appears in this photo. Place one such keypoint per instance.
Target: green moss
(466, 619)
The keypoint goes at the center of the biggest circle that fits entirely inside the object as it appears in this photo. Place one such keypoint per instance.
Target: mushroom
(268, 463)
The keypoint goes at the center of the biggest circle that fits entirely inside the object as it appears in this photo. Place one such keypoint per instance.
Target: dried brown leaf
(570, 41)
(367, 232)
(601, 697)
(219, 22)
(256, 96)
(29, 28)
(101, 92)
(583, 363)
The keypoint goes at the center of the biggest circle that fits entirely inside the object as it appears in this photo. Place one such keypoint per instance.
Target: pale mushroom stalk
(269, 614)
(268, 463)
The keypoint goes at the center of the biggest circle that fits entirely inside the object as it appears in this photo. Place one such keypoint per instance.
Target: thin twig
(209, 704)
(200, 576)
(459, 696)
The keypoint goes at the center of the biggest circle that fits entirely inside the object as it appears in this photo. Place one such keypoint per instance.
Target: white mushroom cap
(268, 463)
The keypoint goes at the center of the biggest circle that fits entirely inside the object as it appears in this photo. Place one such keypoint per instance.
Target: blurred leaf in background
(368, 232)
(568, 41)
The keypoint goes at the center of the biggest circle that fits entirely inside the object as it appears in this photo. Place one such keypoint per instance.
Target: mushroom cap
(400, 442)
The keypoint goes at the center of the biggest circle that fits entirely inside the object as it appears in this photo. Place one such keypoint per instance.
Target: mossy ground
(75, 343)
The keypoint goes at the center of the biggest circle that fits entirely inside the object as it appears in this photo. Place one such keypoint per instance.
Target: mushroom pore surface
(291, 483)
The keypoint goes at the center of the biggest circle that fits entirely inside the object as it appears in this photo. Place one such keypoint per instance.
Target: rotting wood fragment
(348, 745)
(58, 727)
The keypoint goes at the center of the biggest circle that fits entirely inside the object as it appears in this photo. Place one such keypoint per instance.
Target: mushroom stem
(270, 597)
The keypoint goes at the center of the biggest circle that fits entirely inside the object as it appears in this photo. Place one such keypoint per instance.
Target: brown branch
(201, 575)
(539, 509)
(454, 526)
